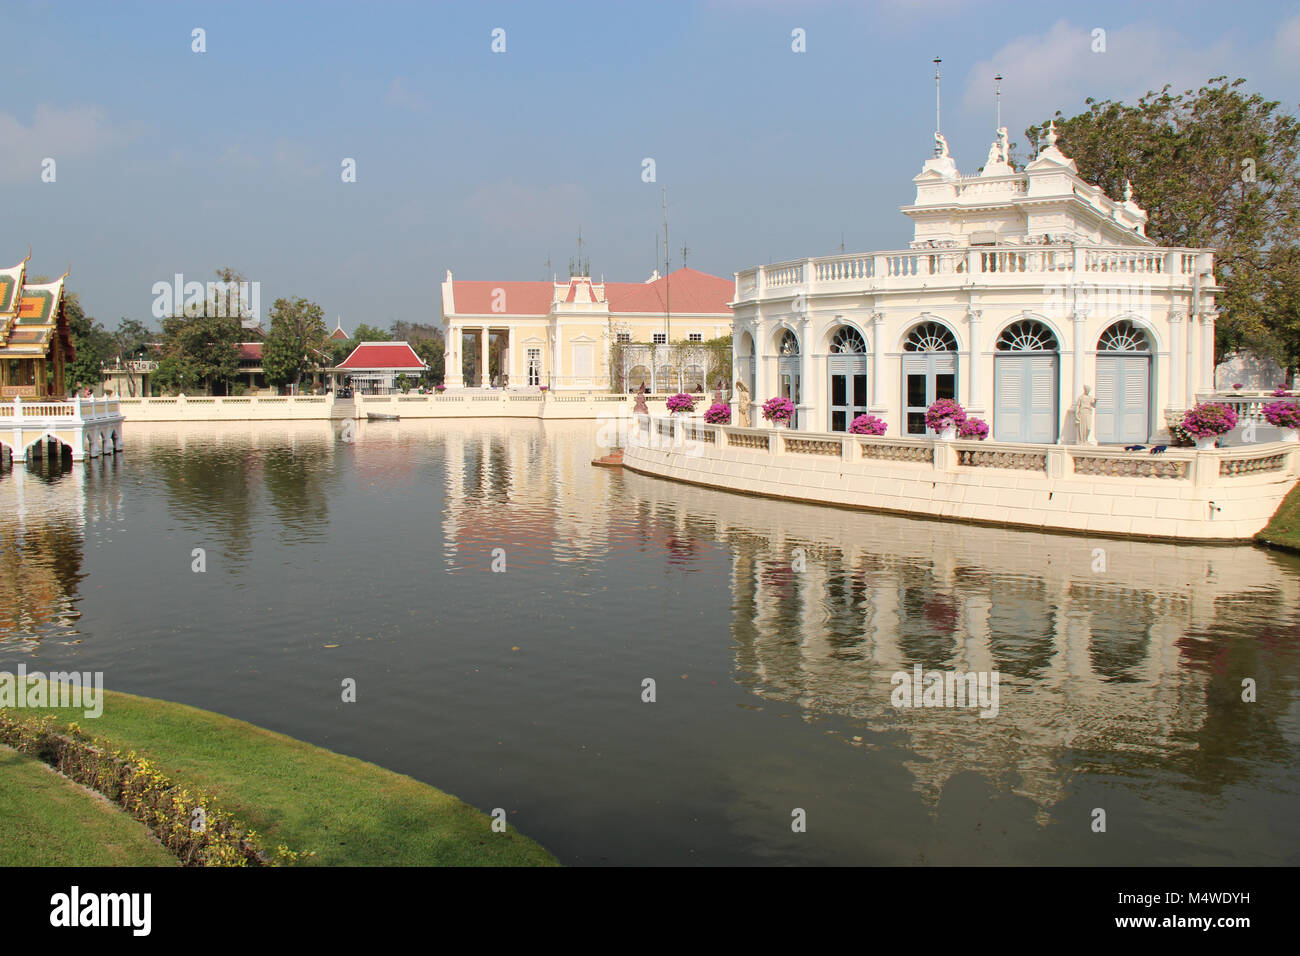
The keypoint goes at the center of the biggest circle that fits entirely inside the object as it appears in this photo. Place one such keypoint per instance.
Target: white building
(1018, 289)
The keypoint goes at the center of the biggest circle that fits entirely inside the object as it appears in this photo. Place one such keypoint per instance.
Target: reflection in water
(1105, 669)
(777, 625)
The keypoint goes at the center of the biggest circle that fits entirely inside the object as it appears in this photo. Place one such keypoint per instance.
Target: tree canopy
(1215, 167)
(297, 334)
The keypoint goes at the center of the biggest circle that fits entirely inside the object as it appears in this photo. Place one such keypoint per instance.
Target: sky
(486, 163)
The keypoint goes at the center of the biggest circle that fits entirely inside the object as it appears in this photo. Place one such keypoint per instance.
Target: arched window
(789, 344)
(930, 337)
(847, 341)
(1124, 336)
(1027, 335)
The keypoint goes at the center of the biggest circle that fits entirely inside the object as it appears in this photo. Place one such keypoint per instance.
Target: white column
(1081, 346)
(1177, 359)
(484, 378)
(1207, 350)
(974, 398)
(877, 359)
(806, 408)
(508, 360)
(760, 333)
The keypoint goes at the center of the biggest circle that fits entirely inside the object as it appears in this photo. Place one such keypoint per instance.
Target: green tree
(1217, 168)
(297, 333)
(93, 345)
(366, 333)
(199, 351)
(433, 354)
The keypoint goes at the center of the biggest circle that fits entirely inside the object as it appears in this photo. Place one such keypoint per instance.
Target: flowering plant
(719, 413)
(1208, 420)
(1280, 392)
(975, 428)
(440, 387)
(544, 387)
(681, 402)
(778, 409)
(1282, 414)
(1237, 385)
(868, 425)
(944, 414)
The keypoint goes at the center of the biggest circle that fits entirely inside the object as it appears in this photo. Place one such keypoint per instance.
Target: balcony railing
(78, 410)
(892, 269)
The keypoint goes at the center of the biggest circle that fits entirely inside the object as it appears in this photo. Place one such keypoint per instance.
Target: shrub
(681, 402)
(778, 409)
(1208, 420)
(868, 425)
(719, 413)
(975, 428)
(1282, 414)
(944, 414)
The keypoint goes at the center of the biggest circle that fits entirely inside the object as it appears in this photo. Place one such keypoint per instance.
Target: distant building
(373, 367)
(562, 334)
(338, 334)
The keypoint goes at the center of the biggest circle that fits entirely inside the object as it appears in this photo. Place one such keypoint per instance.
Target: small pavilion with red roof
(373, 367)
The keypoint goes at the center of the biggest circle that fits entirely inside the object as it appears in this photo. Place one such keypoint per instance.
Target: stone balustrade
(1179, 494)
(995, 265)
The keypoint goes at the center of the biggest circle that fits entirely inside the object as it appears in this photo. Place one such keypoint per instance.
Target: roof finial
(938, 126)
(66, 273)
(1049, 137)
(29, 252)
(997, 95)
(1128, 191)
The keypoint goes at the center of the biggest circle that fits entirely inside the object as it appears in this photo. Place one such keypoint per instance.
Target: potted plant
(1286, 416)
(1238, 386)
(440, 388)
(868, 425)
(681, 404)
(1207, 421)
(943, 417)
(719, 413)
(1280, 392)
(779, 411)
(973, 428)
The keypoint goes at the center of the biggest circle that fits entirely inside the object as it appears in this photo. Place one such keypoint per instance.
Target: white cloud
(1059, 70)
(60, 134)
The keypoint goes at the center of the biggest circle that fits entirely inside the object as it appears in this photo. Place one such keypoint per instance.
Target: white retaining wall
(1221, 495)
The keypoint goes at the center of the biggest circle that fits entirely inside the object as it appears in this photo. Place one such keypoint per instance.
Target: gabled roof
(338, 332)
(369, 356)
(34, 319)
(250, 351)
(690, 292)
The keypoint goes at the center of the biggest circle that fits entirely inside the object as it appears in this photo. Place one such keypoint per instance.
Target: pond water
(772, 631)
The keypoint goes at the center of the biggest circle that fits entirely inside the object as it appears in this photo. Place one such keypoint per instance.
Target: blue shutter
(1008, 414)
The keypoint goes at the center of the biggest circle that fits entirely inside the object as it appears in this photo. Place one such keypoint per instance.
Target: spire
(941, 163)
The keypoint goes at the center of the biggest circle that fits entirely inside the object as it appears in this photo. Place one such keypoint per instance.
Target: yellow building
(563, 334)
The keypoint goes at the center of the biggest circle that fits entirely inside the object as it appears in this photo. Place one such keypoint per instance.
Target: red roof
(691, 293)
(383, 355)
(338, 333)
(250, 351)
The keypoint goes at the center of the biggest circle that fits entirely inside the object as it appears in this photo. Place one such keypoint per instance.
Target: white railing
(897, 268)
(78, 410)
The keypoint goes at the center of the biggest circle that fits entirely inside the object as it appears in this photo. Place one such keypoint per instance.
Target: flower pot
(1289, 435)
(1207, 443)
(948, 434)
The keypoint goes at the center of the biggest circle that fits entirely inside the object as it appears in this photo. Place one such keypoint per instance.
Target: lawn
(1283, 530)
(345, 811)
(47, 820)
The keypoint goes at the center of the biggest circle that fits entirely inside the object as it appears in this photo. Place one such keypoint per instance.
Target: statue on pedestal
(639, 406)
(742, 405)
(717, 392)
(1083, 410)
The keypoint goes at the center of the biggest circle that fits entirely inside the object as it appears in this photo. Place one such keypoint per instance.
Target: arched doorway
(638, 375)
(1026, 370)
(787, 372)
(929, 372)
(846, 368)
(1123, 410)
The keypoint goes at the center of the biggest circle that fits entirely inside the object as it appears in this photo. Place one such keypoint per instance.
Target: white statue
(940, 146)
(742, 404)
(1083, 411)
(1004, 145)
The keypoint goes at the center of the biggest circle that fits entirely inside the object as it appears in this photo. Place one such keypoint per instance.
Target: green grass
(47, 820)
(1283, 530)
(346, 811)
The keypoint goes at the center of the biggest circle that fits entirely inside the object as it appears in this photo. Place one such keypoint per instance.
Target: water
(1120, 688)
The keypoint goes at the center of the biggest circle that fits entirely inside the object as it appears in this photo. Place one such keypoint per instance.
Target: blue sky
(485, 163)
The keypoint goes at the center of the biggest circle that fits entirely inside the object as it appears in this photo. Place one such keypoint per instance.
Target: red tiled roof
(250, 351)
(338, 333)
(385, 355)
(691, 292)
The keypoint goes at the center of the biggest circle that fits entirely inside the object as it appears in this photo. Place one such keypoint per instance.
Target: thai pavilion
(35, 341)
(1019, 289)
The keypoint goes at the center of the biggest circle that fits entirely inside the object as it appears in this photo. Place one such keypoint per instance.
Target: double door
(927, 377)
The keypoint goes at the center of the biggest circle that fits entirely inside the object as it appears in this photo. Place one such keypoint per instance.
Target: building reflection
(1103, 667)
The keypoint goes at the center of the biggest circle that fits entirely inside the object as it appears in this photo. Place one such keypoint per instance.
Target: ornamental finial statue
(940, 145)
(1128, 191)
(742, 404)
(1083, 411)
(1048, 139)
